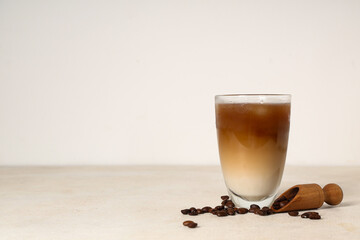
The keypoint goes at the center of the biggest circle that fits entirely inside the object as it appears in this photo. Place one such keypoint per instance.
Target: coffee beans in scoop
(281, 202)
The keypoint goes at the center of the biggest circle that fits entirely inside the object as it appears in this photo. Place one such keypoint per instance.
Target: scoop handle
(333, 194)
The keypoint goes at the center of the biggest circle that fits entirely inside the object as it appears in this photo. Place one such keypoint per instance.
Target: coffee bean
(206, 209)
(186, 223)
(270, 211)
(265, 209)
(192, 209)
(192, 225)
(213, 212)
(223, 203)
(193, 213)
(225, 197)
(259, 212)
(305, 215)
(230, 211)
(252, 210)
(293, 213)
(310, 213)
(280, 199)
(199, 211)
(221, 213)
(314, 216)
(219, 207)
(254, 206)
(242, 210)
(292, 195)
(230, 204)
(283, 203)
(276, 205)
(185, 211)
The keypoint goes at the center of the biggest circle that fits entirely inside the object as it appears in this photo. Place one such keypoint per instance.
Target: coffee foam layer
(253, 98)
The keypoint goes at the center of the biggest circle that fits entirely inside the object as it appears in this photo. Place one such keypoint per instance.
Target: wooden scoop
(310, 196)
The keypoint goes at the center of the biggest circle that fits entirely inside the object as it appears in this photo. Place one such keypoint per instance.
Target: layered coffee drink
(252, 137)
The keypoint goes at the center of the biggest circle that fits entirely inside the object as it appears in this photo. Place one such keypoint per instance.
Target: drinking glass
(253, 132)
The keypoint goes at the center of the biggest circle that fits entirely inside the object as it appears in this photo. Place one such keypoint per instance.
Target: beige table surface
(144, 202)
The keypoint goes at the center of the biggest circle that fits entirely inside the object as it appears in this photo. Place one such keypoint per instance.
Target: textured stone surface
(144, 202)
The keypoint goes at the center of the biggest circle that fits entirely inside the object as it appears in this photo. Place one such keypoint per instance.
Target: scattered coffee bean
(225, 197)
(242, 210)
(186, 223)
(260, 212)
(223, 203)
(193, 213)
(254, 206)
(230, 204)
(185, 211)
(199, 211)
(314, 216)
(213, 212)
(305, 215)
(206, 209)
(192, 209)
(293, 213)
(222, 213)
(230, 211)
(311, 215)
(192, 225)
(252, 210)
(219, 207)
(265, 209)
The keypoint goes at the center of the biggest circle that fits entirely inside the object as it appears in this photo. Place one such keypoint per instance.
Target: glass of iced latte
(253, 131)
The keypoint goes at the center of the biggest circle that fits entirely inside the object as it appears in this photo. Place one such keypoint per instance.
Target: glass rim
(254, 95)
(253, 98)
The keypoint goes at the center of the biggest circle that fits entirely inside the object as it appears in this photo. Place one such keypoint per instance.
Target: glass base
(240, 202)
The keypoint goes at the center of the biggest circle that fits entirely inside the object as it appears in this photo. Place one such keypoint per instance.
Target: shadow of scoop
(343, 204)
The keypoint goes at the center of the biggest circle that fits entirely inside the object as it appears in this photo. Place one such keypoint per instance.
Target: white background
(133, 82)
